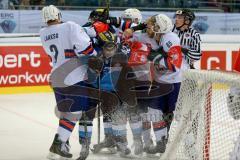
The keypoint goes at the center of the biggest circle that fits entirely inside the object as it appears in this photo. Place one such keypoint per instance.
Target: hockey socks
(147, 138)
(107, 124)
(85, 130)
(136, 126)
(160, 130)
(65, 129)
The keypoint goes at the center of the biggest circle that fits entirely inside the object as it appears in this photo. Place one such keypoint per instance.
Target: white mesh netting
(203, 127)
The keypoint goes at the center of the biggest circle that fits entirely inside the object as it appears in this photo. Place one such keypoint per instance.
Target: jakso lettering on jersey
(51, 36)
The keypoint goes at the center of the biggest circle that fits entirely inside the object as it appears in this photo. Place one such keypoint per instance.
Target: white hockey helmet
(132, 13)
(50, 13)
(163, 24)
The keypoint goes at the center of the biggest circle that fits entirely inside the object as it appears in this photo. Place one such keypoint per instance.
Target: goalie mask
(109, 49)
(51, 13)
(108, 42)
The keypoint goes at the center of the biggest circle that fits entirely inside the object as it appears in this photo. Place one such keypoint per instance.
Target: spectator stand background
(30, 21)
(211, 19)
(224, 5)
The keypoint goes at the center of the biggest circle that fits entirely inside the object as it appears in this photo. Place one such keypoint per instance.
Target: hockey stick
(108, 6)
(99, 89)
(98, 108)
(151, 73)
(88, 141)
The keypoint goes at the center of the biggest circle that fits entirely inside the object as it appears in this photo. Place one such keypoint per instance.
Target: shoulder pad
(100, 27)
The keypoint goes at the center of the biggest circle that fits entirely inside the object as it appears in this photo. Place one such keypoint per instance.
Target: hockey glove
(96, 64)
(153, 54)
(119, 59)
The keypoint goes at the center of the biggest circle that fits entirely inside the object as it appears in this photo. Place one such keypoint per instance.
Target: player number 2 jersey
(64, 41)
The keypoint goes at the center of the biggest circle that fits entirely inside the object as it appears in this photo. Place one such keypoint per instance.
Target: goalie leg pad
(233, 103)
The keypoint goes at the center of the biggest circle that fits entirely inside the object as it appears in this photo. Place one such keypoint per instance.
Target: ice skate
(85, 149)
(59, 150)
(124, 151)
(159, 148)
(148, 145)
(138, 146)
(108, 143)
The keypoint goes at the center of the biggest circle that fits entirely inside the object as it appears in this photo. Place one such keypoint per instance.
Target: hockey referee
(190, 38)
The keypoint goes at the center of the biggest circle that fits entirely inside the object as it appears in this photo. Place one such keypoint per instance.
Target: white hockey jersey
(64, 41)
(143, 72)
(167, 41)
(144, 38)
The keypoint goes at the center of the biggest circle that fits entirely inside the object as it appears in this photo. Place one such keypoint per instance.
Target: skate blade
(139, 156)
(112, 150)
(54, 156)
(105, 151)
(128, 156)
(152, 156)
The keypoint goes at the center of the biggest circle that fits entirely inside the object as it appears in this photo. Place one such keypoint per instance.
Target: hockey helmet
(132, 13)
(188, 15)
(51, 13)
(163, 24)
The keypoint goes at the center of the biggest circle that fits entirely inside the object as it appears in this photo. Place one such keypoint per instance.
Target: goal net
(203, 127)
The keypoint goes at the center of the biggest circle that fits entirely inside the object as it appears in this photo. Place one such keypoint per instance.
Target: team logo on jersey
(187, 35)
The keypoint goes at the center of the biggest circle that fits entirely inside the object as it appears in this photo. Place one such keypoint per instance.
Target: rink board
(28, 89)
(46, 89)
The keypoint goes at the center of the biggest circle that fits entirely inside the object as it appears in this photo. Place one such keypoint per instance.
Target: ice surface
(28, 125)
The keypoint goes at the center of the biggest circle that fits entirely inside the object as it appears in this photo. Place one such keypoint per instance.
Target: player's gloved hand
(110, 20)
(103, 19)
(119, 59)
(152, 55)
(88, 24)
(159, 53)
(95, 63)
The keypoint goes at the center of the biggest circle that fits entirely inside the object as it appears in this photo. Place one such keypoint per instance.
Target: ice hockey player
(168, 69)
(99, 21)
(99, 34)
(108, 81)
(129, 18)
(146, 36)
(63, 42)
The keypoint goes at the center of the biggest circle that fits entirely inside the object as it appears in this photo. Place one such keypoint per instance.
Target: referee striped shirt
(190, 39)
